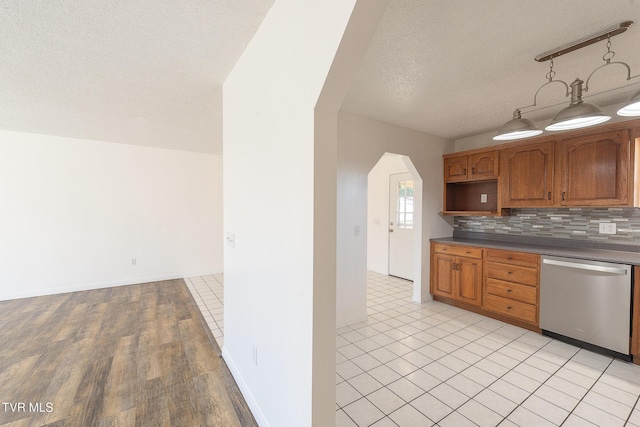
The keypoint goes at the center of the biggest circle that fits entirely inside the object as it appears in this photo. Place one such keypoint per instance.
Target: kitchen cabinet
(456, 273)
(527, 175)
(498, 283)
(511, 285)
(581, 168)
(593, 170)
(471, 167)
(455, 168)
(471, 183)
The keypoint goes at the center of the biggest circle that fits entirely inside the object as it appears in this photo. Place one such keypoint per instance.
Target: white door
(401, 224)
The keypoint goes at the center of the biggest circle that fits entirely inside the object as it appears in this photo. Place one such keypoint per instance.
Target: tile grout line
(389, 309)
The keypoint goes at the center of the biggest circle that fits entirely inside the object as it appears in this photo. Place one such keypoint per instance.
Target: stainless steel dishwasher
(587, 301)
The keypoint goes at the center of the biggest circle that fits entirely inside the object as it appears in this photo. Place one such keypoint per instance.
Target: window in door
(405, 205)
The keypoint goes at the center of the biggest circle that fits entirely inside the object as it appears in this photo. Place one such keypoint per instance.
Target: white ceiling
(145, 71)
(455, 68)
(152, 70)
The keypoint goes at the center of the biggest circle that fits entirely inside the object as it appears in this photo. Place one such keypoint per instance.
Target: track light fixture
(577, 114)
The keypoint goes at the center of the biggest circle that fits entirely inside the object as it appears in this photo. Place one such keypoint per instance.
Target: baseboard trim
(244, 389)
(88, 286)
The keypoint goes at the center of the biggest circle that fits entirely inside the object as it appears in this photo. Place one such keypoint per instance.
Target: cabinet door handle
(464, 172)
(549, 195)
(563, 193)
(473, 171)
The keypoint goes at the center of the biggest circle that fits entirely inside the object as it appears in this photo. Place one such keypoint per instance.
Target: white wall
(279, 201)
(361, 143)
(75, 212)
(378, 211)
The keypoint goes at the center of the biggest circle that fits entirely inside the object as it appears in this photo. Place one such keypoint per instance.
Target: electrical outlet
(254, 355)
(483, 198)
(608, 228)
(134, 261)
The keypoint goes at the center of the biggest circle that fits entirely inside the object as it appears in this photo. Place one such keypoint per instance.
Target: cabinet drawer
(516, 309)
(456, 250)
(514, 291)
(513, 273)
(513, 258)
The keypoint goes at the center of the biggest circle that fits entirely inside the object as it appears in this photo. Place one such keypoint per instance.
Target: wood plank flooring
(134, 355)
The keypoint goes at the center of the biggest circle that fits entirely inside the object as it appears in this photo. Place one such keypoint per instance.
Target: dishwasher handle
(580, 266)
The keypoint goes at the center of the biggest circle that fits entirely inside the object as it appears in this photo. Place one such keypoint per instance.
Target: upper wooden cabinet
(472, 167)
(593, 170)
(527, 174)
(455, 168)
(582, 168)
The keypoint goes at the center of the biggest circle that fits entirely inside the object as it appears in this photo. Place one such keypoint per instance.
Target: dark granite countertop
(570, 249)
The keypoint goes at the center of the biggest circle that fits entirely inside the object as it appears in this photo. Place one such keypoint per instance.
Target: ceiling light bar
(585, 41)
(578, 114)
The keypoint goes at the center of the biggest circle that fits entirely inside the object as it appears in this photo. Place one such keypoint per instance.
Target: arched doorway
(394, 205)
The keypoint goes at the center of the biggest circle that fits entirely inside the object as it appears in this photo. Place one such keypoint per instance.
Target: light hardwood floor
(125, 356)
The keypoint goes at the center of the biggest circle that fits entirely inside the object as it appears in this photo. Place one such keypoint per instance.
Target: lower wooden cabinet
(511, 286)
(505, 283)
(457, 273)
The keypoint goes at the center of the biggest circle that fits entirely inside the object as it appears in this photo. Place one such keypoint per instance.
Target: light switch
(230, 239)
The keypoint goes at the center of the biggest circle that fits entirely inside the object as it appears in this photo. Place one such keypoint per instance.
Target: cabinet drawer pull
(508, 307)
(468, 252)
(509, 290)
(509, 272)
(563, 194)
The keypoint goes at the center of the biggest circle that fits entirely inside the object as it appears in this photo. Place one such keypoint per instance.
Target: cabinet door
(593, 170)
(455, 169)
(527, 173)
(484, 165)
(469, 281)
(443, 279)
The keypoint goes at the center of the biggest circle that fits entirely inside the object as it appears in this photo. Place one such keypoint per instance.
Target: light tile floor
(432, 364)
(208, 291)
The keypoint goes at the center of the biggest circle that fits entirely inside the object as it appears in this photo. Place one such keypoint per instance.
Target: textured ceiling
(147, 72)
(455, 68)
(150, 72)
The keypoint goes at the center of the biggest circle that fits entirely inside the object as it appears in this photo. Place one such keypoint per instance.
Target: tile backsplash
(561, 223)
